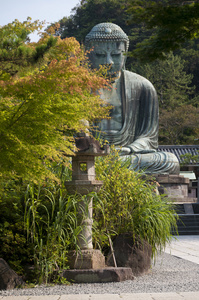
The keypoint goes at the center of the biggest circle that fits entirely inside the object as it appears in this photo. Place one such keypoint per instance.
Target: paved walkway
(186, 247)
(138, 296)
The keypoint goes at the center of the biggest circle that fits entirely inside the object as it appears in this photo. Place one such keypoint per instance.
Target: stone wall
(175, 186)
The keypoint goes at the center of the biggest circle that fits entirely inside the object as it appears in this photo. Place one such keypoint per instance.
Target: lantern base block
(87, 259)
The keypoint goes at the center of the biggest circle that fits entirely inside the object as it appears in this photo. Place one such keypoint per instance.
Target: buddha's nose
(109, 60)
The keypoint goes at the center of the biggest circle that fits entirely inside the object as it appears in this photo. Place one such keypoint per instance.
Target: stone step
(187, 208)
(183, 199)
(188, 224)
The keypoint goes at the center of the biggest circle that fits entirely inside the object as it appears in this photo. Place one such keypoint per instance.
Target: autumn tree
(42, 105)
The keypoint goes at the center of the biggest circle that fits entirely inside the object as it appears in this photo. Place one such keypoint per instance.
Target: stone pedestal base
(87, 259)
(175, 186)
(99, 275)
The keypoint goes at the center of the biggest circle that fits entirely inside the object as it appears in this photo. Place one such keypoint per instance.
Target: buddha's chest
(114, 98)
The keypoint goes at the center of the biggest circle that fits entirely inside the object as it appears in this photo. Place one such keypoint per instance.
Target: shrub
(14, 247)
(38, 225)
(127, 202)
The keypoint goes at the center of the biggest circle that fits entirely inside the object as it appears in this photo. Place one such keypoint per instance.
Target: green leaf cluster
(14, 246)
(15, 50)
(189, 158)
(180, 125)
(173, 21)
(178, 119)
(42, 105)
(128, 202)
(52, 228)
(172, 83)
(38, 226)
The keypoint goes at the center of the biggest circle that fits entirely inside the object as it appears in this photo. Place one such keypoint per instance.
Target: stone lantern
(83, 182)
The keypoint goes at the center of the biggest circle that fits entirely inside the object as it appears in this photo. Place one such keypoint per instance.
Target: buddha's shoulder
(137, 79)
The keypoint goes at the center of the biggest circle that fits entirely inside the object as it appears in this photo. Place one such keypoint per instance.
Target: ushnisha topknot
(105, 32)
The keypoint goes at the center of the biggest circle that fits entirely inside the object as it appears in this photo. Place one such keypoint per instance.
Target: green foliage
(128, 203)
(15, 51)
(178, 118)
(43, 105)
(14, 247)
(174, 22)
(189, 158)
(190, 55)
(51, 223)
(38, 226)
(170, 80)
(179, 126)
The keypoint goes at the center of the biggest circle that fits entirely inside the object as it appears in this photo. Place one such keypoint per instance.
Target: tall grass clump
(51, 222)
(127, 202)
(38, 226)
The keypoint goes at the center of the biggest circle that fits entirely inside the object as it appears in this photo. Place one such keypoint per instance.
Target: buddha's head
(110, 45)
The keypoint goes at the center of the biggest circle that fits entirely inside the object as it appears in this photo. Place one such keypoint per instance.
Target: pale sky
(43, 10)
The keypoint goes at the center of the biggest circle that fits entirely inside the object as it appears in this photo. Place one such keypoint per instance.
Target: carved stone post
(83, 182)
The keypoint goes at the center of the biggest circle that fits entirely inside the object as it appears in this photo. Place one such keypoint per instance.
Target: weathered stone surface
(172, 179)
(174, 186)
(87, 259)
(83, 187)
(188, 208)
(183, 200)
(83, 182)
(131, 253)
(8, 278)
(98, 275)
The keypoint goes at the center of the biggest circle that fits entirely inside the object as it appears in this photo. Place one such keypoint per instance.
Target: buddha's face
(108, 53)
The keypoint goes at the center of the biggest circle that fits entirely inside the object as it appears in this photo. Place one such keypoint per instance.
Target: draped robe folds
(139, 130)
